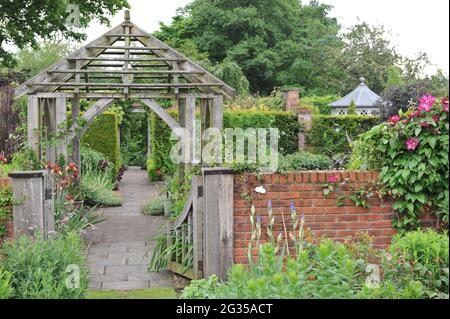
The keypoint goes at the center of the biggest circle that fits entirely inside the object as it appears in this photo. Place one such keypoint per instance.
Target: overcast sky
(416, 25)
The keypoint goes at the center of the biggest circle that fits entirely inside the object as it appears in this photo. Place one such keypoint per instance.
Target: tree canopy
(290, 43)
(24, 22)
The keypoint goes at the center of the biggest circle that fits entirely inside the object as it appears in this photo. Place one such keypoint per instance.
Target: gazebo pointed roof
(362, 96)
(125, 62)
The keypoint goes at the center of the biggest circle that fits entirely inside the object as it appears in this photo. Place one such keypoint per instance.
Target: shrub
(411, 150)
(332, 135)
(304, 161)
(154, 207)
(97, 189)
(420, 256)
(6, 291)
(39, 268)
(103, 136)
(321, 103)
(202, 289)
(93, 161)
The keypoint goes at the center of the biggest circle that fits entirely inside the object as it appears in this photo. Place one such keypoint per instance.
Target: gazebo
(365, 99)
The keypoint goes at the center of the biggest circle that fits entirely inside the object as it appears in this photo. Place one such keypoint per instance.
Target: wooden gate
(203, 234)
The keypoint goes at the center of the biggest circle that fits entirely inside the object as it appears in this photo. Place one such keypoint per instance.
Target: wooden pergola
(124, 63)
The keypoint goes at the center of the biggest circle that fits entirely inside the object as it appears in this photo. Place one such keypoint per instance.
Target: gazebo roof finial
(362, 79)
(127, 15)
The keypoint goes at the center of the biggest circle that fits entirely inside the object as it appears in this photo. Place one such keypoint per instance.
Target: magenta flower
(445, 104)
(412, 144)
(333, 179)
(394, 119)
(425, 107)
(436, 118)
(416, 113)
(424, 124)
(426, 102)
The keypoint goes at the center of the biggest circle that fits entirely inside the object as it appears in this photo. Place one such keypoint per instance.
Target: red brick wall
(322, 216)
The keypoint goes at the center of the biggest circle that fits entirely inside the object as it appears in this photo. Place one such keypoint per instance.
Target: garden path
(121, 247)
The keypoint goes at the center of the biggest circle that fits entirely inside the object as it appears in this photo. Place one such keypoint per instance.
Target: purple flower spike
(258, 219)
(292, 206)
(303, 218)
(269, 204)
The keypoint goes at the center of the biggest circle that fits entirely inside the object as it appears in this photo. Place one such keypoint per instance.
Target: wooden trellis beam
(131, 85)
(74, 71)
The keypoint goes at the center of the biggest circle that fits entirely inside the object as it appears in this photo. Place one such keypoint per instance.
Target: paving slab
(121, 247)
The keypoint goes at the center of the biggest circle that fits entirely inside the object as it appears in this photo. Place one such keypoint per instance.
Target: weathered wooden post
(33, 206)
(186, 118)
(33, 120)
(218, 220)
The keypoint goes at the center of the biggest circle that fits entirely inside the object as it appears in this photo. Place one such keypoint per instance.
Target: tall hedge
(160, 164)
(329, 134)
(103, 136)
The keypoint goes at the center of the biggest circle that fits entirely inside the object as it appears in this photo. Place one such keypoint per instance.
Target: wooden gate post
(33, 206)
(218, 208)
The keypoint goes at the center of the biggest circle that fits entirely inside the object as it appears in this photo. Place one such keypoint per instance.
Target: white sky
(416, 25)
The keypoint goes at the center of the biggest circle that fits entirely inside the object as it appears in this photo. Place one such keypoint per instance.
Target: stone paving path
(121, 246)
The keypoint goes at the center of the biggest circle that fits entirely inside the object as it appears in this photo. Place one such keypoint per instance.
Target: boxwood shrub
(103, 136)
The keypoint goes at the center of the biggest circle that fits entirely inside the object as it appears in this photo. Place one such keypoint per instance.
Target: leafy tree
(276, 43)
(368, 53)
(24, 22)
(32, 61)
(230, 72)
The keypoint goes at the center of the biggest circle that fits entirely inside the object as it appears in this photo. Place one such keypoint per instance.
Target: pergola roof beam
(130, 85)
(126, 59)
(91, 71)
(106, 47)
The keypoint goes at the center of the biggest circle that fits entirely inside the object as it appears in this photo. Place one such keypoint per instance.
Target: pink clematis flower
(416, 113)
(333, 179)
(424, 124)
(445, 104)
(394, 119)
(412, 144)
(426, 102)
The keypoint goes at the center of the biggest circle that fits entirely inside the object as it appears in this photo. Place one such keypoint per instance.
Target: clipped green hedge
(329, 134)
(159, 163)
(287, 123)
(103, 136)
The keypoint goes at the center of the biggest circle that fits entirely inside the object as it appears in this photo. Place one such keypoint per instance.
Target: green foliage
(45, 19)
(332, 135)
(103, 136)
(274, 42)
(230, 72)
(352, 109)
(417, 178)
(148, 293)
(320, 103)
(420, 256)
(202, 289)
(287, 124)
(154, 207)
(93, 161)
(38, 267)
(160, 163)
(6, 201)
(97, 190)
(304, 161)
(274, 101)
(133, 136)
(32, 61)
(6, 291)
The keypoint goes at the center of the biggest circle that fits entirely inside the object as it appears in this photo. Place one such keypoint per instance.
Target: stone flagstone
(121, 247)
